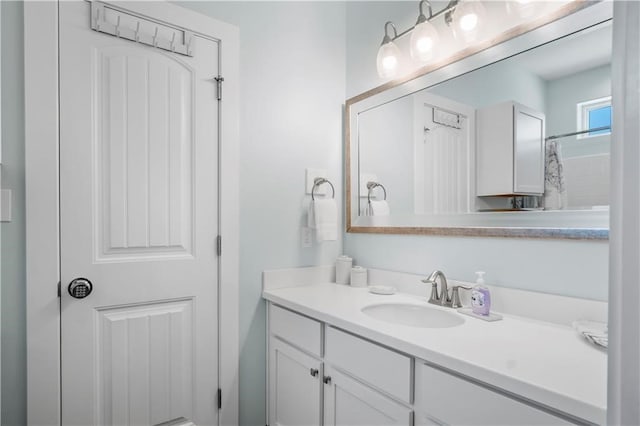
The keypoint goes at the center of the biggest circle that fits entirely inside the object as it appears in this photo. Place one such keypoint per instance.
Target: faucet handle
(455, 296)
(434, 298)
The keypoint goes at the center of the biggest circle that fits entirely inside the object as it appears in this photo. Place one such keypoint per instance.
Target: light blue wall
(563, 95)
(499, 82)
(383, 130)
(561, 267)
(14, 379)
(292, 84)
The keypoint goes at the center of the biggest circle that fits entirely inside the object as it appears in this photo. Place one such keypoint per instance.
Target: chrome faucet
(436, 298)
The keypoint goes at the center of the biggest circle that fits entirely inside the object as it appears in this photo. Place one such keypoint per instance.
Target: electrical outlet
(306, 237)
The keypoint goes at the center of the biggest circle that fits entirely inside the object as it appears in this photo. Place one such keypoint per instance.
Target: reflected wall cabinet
(510, 150)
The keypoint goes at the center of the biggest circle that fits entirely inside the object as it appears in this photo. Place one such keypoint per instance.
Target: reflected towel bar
(373, 185)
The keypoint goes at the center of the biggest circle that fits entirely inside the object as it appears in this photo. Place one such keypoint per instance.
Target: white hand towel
(323, 217)
(379, 208)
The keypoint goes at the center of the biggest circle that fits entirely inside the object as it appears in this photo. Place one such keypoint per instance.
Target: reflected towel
(555, 192)
(379, 208)
(323, 217)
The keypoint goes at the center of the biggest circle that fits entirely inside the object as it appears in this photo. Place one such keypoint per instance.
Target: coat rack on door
(108, 20)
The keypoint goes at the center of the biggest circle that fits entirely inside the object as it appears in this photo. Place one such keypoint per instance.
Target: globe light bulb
(468, 18)
(424, 41)
(524, 8)
(388, 60)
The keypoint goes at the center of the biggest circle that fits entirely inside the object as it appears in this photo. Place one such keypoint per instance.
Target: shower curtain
(555, 192)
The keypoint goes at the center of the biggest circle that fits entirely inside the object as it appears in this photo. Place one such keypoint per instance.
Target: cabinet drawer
(447, 399)
(296, 329)
(380, 367)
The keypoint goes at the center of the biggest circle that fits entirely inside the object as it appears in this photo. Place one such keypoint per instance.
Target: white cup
(358, 276)
(343, 269)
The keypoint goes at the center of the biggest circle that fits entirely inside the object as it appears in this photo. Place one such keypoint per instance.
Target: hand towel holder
(319, 181)
(373, 185)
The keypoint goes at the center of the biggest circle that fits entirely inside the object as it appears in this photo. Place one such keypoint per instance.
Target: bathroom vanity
(331, 363)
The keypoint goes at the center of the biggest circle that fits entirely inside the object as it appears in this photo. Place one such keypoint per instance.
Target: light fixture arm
(421, 17)
(386, 39)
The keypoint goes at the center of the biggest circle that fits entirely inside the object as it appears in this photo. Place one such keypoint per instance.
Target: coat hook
(173, 42)
(138, 31)
(118, 27)
(189, 46)
(155, 38)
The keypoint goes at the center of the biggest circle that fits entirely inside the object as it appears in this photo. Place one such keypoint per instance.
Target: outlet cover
(312, 174)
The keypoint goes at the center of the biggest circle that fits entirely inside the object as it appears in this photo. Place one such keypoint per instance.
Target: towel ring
(373, 185)
(319, 181)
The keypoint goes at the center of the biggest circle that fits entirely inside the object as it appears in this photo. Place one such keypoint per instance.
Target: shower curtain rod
(566, 135)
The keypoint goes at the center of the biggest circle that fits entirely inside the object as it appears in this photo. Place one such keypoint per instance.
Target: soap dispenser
(480, 296)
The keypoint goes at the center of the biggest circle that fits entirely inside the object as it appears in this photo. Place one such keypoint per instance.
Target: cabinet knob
(327, 379)
(313, 372)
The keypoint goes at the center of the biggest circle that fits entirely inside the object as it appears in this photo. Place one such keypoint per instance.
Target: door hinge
(219, 399)
(219, 79)
(59, 289)
(219, 245)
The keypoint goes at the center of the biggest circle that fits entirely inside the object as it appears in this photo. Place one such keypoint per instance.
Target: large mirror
(513, 141)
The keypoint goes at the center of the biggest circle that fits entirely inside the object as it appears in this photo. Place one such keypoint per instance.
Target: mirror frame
(568, 19)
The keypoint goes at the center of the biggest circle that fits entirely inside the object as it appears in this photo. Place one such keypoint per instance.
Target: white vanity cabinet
(445, 399)
(510, 150)
(355, 382)
(322, 375)
(295, 386)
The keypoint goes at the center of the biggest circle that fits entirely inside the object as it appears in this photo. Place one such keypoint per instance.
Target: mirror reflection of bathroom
(531, 132)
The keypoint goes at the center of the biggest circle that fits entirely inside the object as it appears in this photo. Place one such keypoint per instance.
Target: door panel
(139, 218)
(145, 169)
(138, 375)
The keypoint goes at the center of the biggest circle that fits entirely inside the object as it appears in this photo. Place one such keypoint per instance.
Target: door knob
(327, 379)
(313, 372)
(80, 288)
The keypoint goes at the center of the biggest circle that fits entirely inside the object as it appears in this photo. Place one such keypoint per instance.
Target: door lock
(80, 288)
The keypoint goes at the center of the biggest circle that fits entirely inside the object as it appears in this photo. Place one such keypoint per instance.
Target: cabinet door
(295, 386)
(348, 402)
(441, 398)
(528, 151)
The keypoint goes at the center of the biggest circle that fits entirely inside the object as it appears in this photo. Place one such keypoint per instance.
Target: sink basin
(413, 315)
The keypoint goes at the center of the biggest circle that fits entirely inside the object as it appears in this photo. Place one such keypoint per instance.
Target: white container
(358, 276)
(343, 269)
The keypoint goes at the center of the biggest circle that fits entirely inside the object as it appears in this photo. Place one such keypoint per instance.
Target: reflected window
(595, 114)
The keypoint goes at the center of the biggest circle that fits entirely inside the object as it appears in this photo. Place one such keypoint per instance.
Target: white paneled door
(139, 221)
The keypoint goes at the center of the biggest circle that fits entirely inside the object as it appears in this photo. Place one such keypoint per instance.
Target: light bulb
(468, 17)
(388, 60)
(424, 41)
(524, 8)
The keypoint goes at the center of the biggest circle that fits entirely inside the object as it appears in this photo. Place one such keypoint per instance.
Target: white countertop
(544, 362)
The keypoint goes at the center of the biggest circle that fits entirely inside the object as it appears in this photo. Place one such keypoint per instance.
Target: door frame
(42, 203)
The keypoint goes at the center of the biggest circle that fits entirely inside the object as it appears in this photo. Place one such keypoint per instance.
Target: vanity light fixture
(424, 37)
(464, 16)
(388, 54)
(524, 8)
(467, 18)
